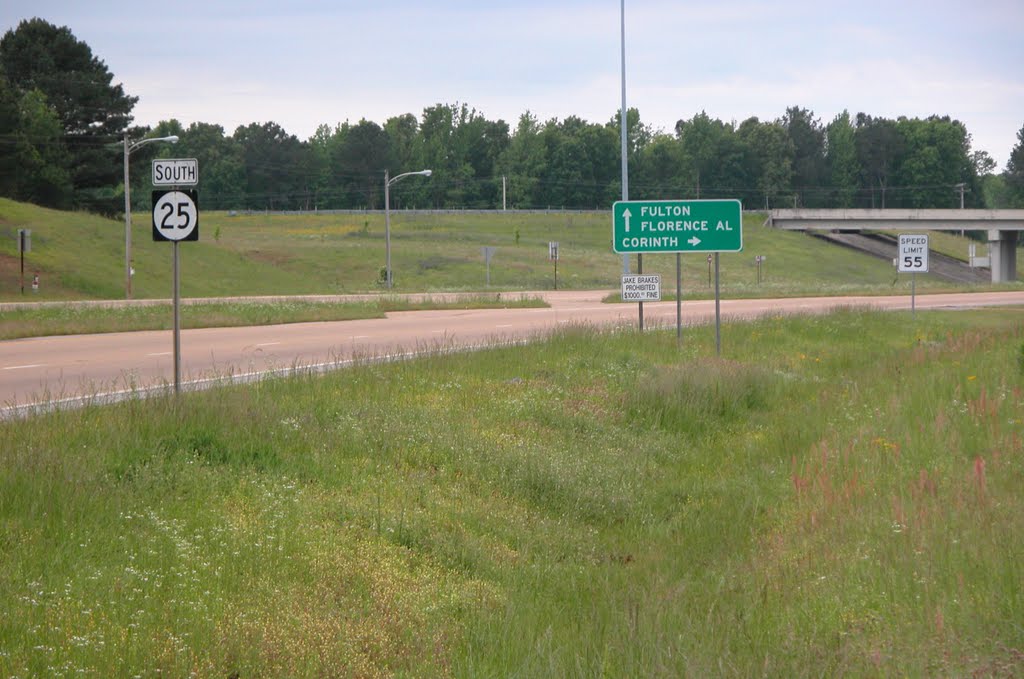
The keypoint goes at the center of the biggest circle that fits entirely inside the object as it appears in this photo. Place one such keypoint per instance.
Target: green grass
(68, 319)
(81, 256)
(835, 495)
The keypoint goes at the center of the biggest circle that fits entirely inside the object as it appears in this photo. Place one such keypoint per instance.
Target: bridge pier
(1002, 252)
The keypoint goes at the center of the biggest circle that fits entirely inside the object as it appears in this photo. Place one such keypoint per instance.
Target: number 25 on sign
(175, 216)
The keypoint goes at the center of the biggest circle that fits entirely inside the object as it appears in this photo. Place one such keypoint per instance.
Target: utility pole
(961, 187)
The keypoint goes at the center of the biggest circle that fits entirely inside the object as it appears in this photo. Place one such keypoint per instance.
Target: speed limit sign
(913, 253)
(175, 215)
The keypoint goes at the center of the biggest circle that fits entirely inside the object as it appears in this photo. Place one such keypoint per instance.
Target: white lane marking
(506, 325)
(267, 344)
(438, 332)
(24, 367)
(361, 337)
(162, 353)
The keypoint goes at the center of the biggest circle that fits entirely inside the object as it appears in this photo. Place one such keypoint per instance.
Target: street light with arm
(387, 217)
(128, 148)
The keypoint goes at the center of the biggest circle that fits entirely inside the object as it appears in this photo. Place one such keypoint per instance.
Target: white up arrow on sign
(626, 214)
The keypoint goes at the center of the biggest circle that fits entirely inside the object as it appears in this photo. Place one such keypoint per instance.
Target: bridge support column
(1002, 252)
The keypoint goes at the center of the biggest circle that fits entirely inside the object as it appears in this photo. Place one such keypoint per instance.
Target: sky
(306, 63)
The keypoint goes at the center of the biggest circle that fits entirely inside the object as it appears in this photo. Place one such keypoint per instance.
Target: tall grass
(838, 495)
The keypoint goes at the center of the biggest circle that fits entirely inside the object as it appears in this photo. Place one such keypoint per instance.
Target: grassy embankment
(838, 495)
(81, 256)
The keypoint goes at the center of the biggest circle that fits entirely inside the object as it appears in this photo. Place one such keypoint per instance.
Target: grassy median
(71, 319)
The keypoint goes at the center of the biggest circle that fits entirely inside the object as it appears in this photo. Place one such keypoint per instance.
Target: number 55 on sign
(913, 253)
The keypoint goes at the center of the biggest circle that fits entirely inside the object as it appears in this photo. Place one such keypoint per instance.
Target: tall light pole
(387, 216)
(623, 122)
(128, 148)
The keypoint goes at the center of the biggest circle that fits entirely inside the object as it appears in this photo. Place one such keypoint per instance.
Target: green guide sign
(677, 226)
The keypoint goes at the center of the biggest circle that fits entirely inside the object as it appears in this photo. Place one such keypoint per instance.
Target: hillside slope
(81, 256)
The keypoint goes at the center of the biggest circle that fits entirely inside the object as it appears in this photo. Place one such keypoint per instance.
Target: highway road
(109, 366)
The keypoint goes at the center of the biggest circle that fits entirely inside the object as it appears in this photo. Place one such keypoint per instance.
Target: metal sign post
(912, 257)
(177, 320)
(718, 312)
(759, 259)
(176, 218)
(488, 251)
(640, 306)
(24, 245)
(553, 256)
(679, 298)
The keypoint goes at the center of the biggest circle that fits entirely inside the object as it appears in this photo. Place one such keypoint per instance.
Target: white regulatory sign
(641, 288)
(175, 172)
(175, 215)
(913, 253)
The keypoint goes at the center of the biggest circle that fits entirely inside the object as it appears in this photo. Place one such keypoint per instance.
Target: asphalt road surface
(109, 366)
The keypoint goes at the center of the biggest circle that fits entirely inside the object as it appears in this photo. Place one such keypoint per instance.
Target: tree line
(62, 123)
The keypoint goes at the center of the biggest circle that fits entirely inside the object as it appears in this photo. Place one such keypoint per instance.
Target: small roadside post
(24, 245)
(488, 251)
(760, 262)
(176, 219)
(912, 257)
(553, 256)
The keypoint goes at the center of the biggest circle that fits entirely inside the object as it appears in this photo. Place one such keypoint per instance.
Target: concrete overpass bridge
(1002, 227)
